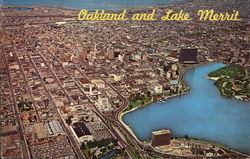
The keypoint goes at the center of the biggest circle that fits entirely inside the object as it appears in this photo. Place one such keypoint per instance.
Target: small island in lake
(233, 81)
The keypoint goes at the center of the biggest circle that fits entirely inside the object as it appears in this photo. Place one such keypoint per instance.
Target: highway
(140, 147)
(98, 113)
(114, 121)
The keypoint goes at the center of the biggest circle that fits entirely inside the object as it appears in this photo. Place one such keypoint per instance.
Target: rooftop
(40, 130)
(160, 132)
(81, 129)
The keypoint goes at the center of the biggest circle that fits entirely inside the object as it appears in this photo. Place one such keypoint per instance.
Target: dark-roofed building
(161, 137)
(80, 129)
(84, 80)
(188, 56)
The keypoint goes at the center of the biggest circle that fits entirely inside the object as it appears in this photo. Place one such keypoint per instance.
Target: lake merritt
(203, 113)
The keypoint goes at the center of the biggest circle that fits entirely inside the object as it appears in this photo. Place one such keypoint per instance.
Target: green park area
(138, 100)
(233, 81)
(89, 149)
(24, 106)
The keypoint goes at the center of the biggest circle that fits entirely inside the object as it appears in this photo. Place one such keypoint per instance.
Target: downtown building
(188, 56)
(161, 137)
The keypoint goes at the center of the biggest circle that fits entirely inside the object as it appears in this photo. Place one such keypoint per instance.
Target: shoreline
(146, 104)
(221, 94)
(216, 144)
(212, 78)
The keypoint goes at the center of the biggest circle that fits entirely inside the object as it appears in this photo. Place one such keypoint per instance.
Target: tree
(137, 96)
(83, 146)
(68, 121)
(131, 96)
(148, 93)
(142, 102)
(166, 68)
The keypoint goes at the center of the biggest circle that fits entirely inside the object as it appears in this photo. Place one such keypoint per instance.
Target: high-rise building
(188, 56)
(161, 137)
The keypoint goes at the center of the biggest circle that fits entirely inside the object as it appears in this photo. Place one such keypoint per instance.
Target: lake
(203, 113)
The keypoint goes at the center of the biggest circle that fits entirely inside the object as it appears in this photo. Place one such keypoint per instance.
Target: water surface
(87, 4)
(110, 154)
(17, 8)
(202, 114)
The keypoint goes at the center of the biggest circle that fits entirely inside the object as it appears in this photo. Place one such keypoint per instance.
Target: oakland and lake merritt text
(171, 15)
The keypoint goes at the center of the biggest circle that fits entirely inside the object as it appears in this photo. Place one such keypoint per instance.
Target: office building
(161, 137)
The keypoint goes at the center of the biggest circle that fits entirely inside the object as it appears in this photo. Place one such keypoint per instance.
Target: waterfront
(88, 4)
(202, 114)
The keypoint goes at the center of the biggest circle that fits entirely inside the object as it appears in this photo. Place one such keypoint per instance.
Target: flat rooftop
(81, 129)
(40, 130)
(160, 132)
